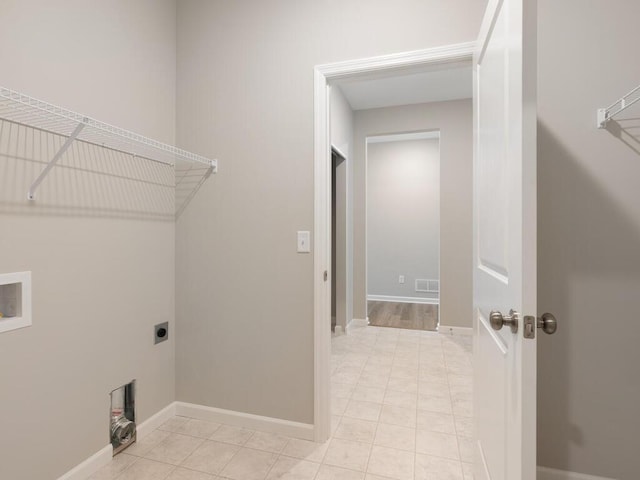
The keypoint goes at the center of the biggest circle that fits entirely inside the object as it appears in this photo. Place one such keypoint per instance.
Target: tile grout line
(276, 460)
(415, 447)
(453, 415)
(366, 468)
(381, 407)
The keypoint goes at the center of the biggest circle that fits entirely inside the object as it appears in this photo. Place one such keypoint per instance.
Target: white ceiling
(452, 83)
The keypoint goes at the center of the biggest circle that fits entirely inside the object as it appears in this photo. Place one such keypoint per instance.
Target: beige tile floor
(402, 409)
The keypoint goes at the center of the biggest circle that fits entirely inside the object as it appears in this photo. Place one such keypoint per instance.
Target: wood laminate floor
(413, 316)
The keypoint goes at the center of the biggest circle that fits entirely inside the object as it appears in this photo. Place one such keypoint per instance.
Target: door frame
(323, 75)
(345, 199)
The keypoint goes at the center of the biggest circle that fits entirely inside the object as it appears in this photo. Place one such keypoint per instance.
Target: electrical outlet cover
(160, 332)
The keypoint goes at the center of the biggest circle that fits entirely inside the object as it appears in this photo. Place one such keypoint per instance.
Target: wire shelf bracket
(606, 114)
(25, 110)
(31, 194)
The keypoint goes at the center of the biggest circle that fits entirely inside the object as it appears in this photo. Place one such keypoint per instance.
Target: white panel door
(505, 240)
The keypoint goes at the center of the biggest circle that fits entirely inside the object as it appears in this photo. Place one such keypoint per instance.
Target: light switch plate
(304, 241)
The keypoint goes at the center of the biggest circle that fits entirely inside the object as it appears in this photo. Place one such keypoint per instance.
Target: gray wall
(341, 124)
(403, 216)
(99, 273)
(588, 238)
(454, 120)
(99, 239)
(245, 93)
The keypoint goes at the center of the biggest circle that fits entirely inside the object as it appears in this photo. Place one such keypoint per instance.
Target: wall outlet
(160, 332)
(401, 279)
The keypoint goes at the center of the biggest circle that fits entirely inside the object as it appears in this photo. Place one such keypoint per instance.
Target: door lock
(547, 322)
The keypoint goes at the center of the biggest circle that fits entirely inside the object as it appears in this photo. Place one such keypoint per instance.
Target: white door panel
(493, 375)
(493, 203)
(504, 240)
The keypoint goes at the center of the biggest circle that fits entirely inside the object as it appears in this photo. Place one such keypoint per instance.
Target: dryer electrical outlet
(160, 332)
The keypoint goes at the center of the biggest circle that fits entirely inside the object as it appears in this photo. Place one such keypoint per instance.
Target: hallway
(413, 316)
(402, 409)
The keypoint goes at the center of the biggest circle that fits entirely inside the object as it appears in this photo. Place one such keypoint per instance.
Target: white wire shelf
(606, 114)
(25, 110)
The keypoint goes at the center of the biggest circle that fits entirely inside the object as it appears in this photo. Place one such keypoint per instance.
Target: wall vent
(427, 286)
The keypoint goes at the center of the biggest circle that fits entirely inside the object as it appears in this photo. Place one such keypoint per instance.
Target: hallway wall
(454, 120)
(245, 95)
(341, 125)
(99, 239)
(588, 238)
(403, 216)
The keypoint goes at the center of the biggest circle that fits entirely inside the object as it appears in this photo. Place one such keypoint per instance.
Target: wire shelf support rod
(31, 194)
(606, 114)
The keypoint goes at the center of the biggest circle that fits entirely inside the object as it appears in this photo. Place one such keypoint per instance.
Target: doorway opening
(338, 241)
(403, 230)
(332, 81)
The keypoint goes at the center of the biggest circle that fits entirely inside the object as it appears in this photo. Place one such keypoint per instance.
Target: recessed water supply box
(122, 426)
(15, 301)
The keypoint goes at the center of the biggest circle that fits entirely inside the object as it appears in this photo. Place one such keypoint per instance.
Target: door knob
(498, 320)
(548, 323)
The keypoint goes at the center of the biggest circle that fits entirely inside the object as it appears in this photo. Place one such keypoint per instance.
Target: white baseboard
(90, 466)
(266, 424)
(546, 473)
(154, 421)
(449, 330)
(247, 420)
(390, 298)
(101, 458)
(357, 323)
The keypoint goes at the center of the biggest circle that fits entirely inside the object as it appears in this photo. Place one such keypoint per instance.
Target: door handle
(498, 320)
(547, 323)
